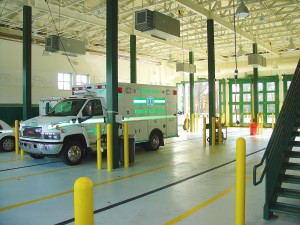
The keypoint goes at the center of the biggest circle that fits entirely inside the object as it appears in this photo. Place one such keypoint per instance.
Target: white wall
(45, 69)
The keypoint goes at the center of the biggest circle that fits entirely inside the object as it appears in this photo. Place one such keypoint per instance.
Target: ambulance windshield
(67, 107)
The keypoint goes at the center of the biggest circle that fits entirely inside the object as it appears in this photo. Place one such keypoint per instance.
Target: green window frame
(287, 79)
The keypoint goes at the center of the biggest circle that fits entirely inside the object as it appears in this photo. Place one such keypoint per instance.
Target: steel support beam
(255, 86)
(112, 74)
(132, 59)
(27, 17)
(211, 74)
(191, 61)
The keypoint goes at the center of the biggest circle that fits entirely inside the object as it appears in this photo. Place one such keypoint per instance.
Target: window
(93, 108)
(64, 81)
(82, 79)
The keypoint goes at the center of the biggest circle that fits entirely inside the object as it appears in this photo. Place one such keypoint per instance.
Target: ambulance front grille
(32, 132)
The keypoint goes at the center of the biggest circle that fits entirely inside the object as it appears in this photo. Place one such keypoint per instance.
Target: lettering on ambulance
(31, 124)
(149, 91)
(152, 103)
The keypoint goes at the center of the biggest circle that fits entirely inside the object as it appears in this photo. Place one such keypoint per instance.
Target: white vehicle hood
(5, 130)
(49, 122)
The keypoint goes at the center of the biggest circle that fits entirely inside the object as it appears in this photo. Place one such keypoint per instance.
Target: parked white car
(7, 137)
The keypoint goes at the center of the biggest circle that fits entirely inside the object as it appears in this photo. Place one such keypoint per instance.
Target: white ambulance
(69, 129)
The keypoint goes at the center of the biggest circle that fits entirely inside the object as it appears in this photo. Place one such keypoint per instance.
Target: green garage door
(240, 100)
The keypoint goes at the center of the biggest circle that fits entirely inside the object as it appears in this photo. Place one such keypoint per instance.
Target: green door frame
(222, 100)
(237, 98)
(263, 93)
(265, 102)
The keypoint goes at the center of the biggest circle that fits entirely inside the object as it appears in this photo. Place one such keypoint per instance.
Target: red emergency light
(77, 89)
(101, 86)
(174, 92)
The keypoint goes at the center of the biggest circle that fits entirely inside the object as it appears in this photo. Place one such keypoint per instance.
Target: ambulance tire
(72, 153)
(36, 156)
(154, 141)
(7, 144)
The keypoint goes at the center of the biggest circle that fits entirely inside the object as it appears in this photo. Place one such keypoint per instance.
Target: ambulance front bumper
(41, 148)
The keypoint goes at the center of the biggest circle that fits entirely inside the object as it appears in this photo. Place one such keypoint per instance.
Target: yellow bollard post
(258, 122)
(109, 146)
(213, 133)
(126, 146)
(204, 132)
(197, 122)
(187, 123)
(240, 181)
(99, 152)
(273, 120)
(192, 123)
(17, 136)
(219, 131)
(83, 202)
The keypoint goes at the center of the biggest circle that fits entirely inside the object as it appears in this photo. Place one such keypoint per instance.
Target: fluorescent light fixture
(291, 46)
(242, 11)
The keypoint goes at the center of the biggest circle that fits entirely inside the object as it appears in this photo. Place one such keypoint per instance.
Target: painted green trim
(16, 105)
(144, 101)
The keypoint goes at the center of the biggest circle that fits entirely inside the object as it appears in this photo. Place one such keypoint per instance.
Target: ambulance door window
(87, 110)
(97, 108)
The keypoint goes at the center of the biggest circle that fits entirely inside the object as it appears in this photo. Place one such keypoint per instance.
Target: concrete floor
(181, 183)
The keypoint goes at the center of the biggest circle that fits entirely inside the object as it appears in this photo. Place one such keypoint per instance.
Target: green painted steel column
(112, 73)
(191, 61)
(211, 73)
(132, 58)
(255, 86)
(27, 17)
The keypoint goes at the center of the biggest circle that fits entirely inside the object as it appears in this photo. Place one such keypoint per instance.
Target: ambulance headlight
(52, 136)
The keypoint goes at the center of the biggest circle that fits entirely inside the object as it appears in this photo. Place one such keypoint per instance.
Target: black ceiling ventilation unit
(157, 24)
(66, 46)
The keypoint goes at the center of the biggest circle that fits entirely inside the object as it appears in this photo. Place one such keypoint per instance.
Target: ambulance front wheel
(72, 153)
(154, 141)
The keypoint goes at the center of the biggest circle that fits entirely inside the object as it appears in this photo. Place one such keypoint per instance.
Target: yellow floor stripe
(14, 160)
(36, 200)
(42, 173)
(203, 204)
(71, 191)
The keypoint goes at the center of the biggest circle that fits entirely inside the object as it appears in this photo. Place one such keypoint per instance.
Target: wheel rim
(155, 141)
(74, 153)
(8, 145)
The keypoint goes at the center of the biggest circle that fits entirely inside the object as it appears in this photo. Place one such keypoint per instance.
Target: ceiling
(271, 24)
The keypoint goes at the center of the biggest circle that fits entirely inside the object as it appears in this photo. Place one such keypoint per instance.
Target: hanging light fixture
(241, 51)
(170, 59)
(242, 11)
(291, 46)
